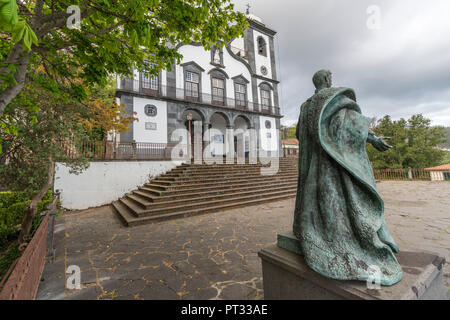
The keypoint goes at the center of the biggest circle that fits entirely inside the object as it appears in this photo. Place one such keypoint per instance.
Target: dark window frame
(240, 102)
(215, 98)
(262, 46)
(189, 93)
(242, 81)
(192, 67)
(269, 98)
(218, 74)
(143, 79)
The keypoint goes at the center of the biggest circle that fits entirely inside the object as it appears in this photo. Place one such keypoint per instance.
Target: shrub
(8, 258)
(9, 198)
(11, 217)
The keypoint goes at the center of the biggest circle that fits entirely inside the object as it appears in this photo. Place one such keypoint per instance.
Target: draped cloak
(339, 215)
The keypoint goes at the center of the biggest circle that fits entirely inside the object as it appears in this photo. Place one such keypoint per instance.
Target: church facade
(225, 98)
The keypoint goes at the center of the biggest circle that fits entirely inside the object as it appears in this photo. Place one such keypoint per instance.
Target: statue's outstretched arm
(378, 142)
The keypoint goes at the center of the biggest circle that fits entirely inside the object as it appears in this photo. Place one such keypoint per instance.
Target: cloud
(401, 69)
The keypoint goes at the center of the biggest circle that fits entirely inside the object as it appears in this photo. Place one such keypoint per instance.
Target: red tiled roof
(445, 167)
(289, 141)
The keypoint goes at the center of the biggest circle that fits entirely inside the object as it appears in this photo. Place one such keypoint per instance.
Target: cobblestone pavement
(214, 256)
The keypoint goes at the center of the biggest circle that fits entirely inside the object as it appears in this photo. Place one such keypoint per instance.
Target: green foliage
(12, 211)
(290, 134)
(114, 37)
(8, 258)
(414, 143)
(44, 126)
(446, 144)
(9, 198)
(17, 26)
(446, 159)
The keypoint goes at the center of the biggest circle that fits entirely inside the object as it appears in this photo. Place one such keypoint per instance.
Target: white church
(225, 98)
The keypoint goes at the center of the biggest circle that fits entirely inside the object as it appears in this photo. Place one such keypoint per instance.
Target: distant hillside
(446, 145)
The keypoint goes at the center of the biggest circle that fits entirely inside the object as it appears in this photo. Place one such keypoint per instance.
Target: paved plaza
(214, 256)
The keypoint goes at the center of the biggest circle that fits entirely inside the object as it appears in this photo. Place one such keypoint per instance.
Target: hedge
(12, 211)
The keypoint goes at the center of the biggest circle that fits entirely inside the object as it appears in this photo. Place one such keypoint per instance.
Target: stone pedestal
(287, 277)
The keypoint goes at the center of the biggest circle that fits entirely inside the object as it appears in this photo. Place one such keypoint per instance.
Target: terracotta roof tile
(289, 141)
(445, 167)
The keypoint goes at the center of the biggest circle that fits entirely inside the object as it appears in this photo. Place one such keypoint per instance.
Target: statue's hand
(379, 144)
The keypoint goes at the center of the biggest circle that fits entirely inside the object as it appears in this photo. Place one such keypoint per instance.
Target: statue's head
(322, 79)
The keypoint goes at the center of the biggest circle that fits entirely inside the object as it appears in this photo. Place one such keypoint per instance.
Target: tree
(113, 37)
(446, 144)
(59, 67)
(104, 115)
(42, 127)
(39, 127)
(290, 132)
(414, 143)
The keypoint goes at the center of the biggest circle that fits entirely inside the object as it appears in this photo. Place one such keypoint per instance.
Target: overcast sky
(401, 69)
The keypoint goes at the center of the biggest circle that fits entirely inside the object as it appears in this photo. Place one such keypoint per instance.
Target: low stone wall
(105, 181)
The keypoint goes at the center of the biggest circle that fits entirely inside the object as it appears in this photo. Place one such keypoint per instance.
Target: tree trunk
(32, 207)
(21, 58)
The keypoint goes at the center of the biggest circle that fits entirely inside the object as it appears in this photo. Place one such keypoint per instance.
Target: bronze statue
(339, 215)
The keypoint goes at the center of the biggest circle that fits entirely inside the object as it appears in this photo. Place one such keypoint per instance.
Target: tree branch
(32, 207)
(21, 58)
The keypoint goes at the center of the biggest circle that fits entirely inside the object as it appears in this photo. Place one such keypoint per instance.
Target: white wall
(241, 127)
(202, 57)
(238, 43)
(437, 175)
(266, 143)
(261, 60)
(218, 128)
(104, 182)
(136, 80)
(140, 134)
(164, 78)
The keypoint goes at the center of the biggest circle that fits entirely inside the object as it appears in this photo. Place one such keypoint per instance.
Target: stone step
(222, 182)
(195, 189)
(185, 189)
(205, 175)
(201, 166)
(145, 203)
(152, 191)
(132, 221)
(247, 165)
(230, 179)
(259, 160)
(231, 167)
(216, 189)
(220, 170)
(124, 214)
(138, 211)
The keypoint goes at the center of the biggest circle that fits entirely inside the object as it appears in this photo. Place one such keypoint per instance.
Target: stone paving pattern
(214, 256)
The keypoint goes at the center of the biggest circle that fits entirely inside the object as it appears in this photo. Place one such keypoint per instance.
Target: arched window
(262, 47)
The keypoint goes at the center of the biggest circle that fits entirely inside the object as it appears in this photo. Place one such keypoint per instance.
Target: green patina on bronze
(339, 215)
